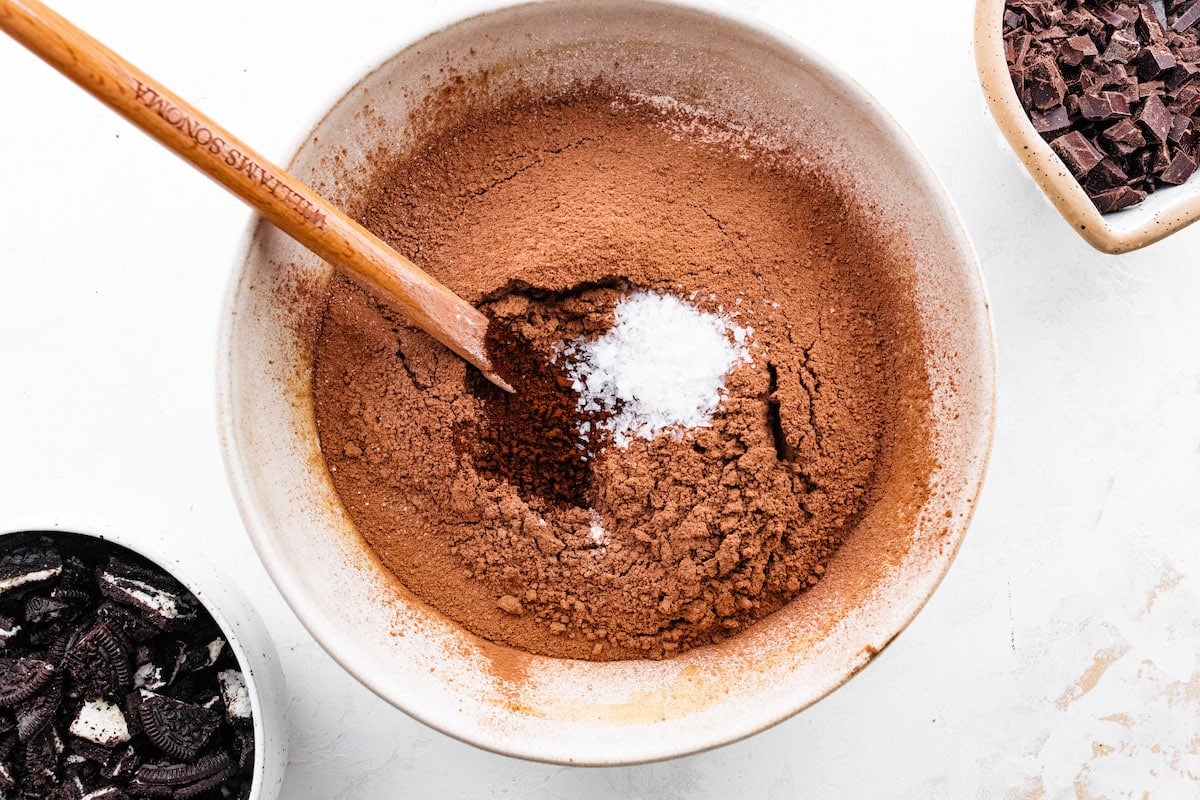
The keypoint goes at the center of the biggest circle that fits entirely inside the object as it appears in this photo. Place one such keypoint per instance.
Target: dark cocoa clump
(529, 438)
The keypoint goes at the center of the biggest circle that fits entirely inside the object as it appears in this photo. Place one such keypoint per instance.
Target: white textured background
(1059, 657)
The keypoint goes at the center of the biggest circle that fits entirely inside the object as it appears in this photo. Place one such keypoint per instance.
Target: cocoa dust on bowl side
(548, 213)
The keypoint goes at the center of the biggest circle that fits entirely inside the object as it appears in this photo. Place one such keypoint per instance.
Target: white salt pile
(661, 367)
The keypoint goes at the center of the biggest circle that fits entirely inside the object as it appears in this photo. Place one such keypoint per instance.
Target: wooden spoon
(290, 205)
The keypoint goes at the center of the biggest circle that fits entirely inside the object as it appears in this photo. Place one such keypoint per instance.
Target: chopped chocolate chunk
(1111, 18)
(1117, 199)
(22, 678)
(1122, 47)
(1125, 137)
(1189, 14)
(1076, 49)
(1154, 20)
(1179, 169)
(1179, 76)
(1103, 105)
(1187, 101)
(1153, 61)
(1046, 85)
(1155, 118)
(1054, 119)
(1180, 127)
(1077, 153)
(1105, 175)
(178, 729)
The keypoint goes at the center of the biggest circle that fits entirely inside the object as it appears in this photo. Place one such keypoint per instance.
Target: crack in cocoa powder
(538, 160)
(783, 449)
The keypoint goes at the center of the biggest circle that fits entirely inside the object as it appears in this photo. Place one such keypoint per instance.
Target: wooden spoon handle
(276, 194)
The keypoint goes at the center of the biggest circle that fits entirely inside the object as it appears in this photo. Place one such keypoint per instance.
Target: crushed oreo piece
(98, 755)
(1114, 87)
(167, 774)
(44, 609)
(149, 676)
(206, 784)
(71, 788)
(40, 763)
(134, 626)
(35, 714)
(99, 661)
(8, 629)
(28, 565)
(178, 729)
(39, 770)
(112, 672)
(100, 722)
(234, 693)
(8, 771)
(243, 747)
(105, 793)
(22, 678)
(153, 593)
(124, 766)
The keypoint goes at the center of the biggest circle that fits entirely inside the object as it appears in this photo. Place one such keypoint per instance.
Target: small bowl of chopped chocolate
(1101, 103)
(753, 368)
(118, 680)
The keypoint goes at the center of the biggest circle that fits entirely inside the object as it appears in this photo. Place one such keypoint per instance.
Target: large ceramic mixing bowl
(576, 711)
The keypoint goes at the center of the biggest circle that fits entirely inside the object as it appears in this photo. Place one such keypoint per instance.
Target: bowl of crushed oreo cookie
(1100, 101)
(124, 675)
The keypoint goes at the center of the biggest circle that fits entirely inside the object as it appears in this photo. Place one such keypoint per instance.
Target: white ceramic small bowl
(244, 630)
(577, 711)
(1162, 213)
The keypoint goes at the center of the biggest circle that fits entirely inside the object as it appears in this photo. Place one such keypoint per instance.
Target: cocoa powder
(527, 438)
(545, 212)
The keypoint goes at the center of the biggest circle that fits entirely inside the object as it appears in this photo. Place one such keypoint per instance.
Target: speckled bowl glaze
(1164, 212)
(575, 711)
(244, 630)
